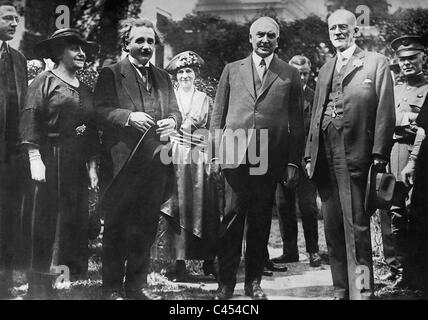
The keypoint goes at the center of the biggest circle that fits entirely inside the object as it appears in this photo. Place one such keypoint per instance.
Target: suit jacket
(278, 108)
(308, 100)
(116, 95)
(368, 115)
(20, 70)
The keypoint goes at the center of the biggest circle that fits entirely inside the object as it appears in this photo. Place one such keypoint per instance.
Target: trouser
(286, 205)
(252, 201)
(347, 227)
(10, 198)
(130, 232)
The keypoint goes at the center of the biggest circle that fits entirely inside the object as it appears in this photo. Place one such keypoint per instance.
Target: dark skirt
(55, 213)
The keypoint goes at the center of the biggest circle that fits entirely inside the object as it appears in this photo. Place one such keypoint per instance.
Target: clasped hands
(143, 121)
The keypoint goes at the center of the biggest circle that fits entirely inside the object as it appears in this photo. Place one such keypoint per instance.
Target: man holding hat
(351, 128)
(13, 87)
(134, 98)
(410, 97)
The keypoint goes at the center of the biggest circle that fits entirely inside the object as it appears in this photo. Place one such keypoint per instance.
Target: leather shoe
(275, 267)
(254, 291)
(314, 260)
(115, 295)
(142, 294)
(286, 258)
(224, 292)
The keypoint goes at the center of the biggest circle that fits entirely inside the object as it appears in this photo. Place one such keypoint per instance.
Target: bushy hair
(128, 24)
(300, 60)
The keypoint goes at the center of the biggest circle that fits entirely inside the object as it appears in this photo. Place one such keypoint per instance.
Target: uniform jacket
(117, 94)
(278, 108)
(368, 115)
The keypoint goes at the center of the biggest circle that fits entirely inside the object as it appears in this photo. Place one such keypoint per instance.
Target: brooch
(81, 130)
(357, 63)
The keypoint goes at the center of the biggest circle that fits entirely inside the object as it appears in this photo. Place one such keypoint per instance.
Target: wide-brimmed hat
(186, 59)
(45, 48)
(379, 190)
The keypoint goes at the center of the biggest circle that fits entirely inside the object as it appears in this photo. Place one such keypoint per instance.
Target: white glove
(37, 167)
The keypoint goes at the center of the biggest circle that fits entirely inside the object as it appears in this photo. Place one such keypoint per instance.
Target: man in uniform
(13, 87)
(410, 96)
(305, 190)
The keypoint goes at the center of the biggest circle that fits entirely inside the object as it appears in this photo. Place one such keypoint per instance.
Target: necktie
(341, 61)
(143, 71)
(262, 69)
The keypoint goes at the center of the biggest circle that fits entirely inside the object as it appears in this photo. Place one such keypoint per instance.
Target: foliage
(97, 20)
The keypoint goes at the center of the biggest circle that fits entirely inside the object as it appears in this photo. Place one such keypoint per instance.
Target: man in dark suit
(259, 99)
(352, 126)
(305, 190)
(13, 87)
(130, 97)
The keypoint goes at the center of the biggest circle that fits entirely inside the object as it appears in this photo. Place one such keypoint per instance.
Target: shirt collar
(347, 54)
(257, 59)
(135, 62)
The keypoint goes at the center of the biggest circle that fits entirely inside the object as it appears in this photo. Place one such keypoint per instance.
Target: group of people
(58, 138)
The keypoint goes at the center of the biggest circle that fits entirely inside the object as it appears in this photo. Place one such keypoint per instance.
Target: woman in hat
(189, 223)
(58, 131)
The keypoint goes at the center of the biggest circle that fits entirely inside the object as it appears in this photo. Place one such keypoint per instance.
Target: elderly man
(305, 190)
(258, 92)
(13, 87)
(410, 98)
(130, 97)
(351, 128)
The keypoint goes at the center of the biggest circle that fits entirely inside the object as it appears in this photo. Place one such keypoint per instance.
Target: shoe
(286, 258)
(401, 282)
(115, 295)
(267, 272)
(142, 294)
(271, 266)
(254, 291)
(224, 292)
(390, 276)
(314, 260)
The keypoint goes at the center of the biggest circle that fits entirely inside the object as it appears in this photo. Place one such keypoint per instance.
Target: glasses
(11, 18)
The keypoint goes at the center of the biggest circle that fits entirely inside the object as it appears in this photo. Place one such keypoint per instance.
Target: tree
(98, 20)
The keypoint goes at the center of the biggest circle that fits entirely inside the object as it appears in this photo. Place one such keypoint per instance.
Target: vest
(333, 112)
(256, 80)
(149, 97)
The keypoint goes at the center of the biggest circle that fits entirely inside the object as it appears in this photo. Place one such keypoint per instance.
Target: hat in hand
(379, 190)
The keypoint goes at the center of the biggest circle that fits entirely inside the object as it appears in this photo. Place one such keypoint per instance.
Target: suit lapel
(246, 72)
(351, 66)
(271, 75)
(19, 71)
(130, 84)
(325, 80)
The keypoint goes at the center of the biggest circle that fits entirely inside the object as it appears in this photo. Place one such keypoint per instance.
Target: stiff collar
(347, 54)
(135, 62)
(257, 59)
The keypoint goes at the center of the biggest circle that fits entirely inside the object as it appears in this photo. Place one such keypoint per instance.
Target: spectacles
(11, 18)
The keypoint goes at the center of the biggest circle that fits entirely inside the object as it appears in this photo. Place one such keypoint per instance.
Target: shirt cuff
(293, 165)
(127, 121)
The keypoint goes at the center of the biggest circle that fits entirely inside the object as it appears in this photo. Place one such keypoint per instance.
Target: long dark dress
(59, 119)
(419, 210)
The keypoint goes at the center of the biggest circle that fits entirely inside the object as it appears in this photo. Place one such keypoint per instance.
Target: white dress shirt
(344, 57)
(257, 59)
